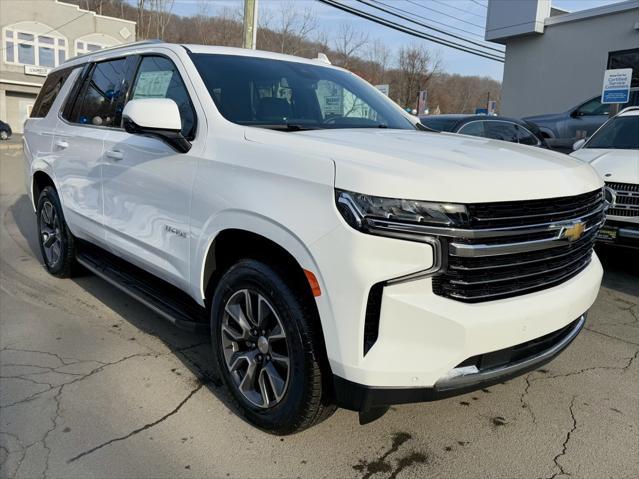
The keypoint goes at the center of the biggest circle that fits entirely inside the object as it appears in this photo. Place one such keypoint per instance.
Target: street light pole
(250, 24)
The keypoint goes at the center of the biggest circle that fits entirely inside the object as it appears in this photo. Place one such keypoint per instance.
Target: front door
(147, 184)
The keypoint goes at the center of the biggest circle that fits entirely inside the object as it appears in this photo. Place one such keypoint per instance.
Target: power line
(456, 8)
(445, 14)
(483, 45)
(365, 2)
(410, 31)
(477, 3)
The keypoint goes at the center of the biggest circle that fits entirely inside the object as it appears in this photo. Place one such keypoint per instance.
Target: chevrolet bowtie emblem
(573, 232)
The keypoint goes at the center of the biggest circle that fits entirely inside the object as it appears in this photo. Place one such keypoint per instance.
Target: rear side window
(158, 77)
(49, 92)
(474, 128)
(100, 100)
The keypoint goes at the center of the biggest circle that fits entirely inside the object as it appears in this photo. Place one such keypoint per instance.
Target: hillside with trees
(297, 31)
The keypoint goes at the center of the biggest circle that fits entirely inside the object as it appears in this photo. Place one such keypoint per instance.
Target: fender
(39, 165)
(263, 226)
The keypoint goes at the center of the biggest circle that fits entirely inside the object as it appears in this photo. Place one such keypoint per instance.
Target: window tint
(49, 92)
(102, 96)
(438, 123)
(525, 137)
(276, 93)
(501, 130)
(620, 132)
(474, 128)
(593, 107)
(158, 77)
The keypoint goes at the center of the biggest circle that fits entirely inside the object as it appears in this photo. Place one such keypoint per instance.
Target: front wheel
(57, 244)
(266, 348)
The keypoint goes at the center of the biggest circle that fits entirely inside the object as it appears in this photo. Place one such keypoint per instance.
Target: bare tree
(161, 10)
(416, 67)
(347, 43)
(378, 56)
(202, 19)
(294, 27)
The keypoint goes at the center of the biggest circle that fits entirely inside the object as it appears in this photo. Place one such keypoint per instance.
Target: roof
(630, 111)
(593, 12)
(193, 48)
(218, 50)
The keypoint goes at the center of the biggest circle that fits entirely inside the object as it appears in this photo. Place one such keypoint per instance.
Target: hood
(617, 166)
(439, 166)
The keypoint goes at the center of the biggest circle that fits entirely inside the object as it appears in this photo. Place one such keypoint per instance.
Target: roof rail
(628, 108)
(117, 47)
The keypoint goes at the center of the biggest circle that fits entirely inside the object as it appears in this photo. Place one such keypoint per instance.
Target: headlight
(366, 213)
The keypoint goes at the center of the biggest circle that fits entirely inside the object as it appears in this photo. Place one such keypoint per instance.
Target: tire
(4, 135)
(304, 400)
(57, 244)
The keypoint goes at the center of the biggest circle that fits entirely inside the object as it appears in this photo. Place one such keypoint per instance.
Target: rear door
(79, 144)
(40, 128)
(147, 184)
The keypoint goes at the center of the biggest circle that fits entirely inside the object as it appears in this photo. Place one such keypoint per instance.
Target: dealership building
(38, 35)
(555, 60)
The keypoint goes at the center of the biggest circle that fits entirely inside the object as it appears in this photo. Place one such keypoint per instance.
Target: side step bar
(160, 296)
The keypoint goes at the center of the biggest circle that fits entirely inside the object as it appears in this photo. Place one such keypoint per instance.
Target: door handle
(62, 144)
(116, 155)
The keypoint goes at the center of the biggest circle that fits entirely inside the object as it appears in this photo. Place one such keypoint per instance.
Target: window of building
(84, 47)
(22, 47)
(626, 59)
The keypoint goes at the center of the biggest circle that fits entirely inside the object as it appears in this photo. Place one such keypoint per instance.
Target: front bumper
(422, 336)
(486, 370)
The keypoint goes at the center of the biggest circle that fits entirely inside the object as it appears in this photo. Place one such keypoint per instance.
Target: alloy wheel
(50, 233)
(255, 348)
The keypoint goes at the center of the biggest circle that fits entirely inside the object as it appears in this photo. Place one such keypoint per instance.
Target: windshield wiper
(285, 127)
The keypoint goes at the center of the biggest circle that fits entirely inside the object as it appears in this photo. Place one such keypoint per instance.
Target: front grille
(627, 200)
(514, 248)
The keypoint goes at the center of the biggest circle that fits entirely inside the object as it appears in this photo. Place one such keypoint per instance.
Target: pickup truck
(338, 253)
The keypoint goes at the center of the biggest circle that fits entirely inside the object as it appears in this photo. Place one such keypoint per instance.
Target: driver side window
(593, 107)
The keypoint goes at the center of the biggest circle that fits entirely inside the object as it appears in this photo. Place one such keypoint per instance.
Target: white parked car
(613, 150)
(340, 254)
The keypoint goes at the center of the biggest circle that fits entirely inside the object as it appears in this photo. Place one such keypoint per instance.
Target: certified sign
(616, 86)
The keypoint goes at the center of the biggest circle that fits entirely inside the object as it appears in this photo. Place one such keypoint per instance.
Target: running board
(158, 295)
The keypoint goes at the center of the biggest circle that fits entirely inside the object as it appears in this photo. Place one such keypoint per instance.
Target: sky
(468, 16)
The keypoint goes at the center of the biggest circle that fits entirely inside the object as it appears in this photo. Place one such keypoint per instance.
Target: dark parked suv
(561, 130)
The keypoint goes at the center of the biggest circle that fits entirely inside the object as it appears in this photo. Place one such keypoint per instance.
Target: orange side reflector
(314, 284)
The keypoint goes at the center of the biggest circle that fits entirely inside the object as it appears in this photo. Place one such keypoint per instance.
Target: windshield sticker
(152, 84)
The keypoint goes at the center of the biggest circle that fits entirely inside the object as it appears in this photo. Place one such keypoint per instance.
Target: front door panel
(147, 192)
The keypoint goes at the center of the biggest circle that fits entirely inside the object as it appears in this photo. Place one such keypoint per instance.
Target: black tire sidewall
(63, 265)
(253, 274)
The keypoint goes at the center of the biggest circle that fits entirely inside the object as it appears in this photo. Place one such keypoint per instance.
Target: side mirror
(578, 144)
(158, 117)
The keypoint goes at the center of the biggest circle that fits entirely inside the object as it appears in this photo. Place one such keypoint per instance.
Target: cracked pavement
(93, 384)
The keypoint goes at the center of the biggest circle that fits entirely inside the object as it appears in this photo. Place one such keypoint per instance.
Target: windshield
(621, 132)
(293, 96)
(438, 123)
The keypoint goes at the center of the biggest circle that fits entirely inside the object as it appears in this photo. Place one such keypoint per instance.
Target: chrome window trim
(485, 120)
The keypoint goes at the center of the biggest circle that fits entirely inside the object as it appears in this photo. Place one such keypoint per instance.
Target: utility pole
(250, 24)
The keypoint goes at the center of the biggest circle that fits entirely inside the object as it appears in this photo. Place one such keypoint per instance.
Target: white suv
(614, 152)
(340, 254)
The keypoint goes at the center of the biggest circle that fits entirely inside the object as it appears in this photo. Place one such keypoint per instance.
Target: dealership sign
(616, 86)
(36, 70)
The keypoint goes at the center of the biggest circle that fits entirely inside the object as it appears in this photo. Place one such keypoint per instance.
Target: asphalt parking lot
(92, 384)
